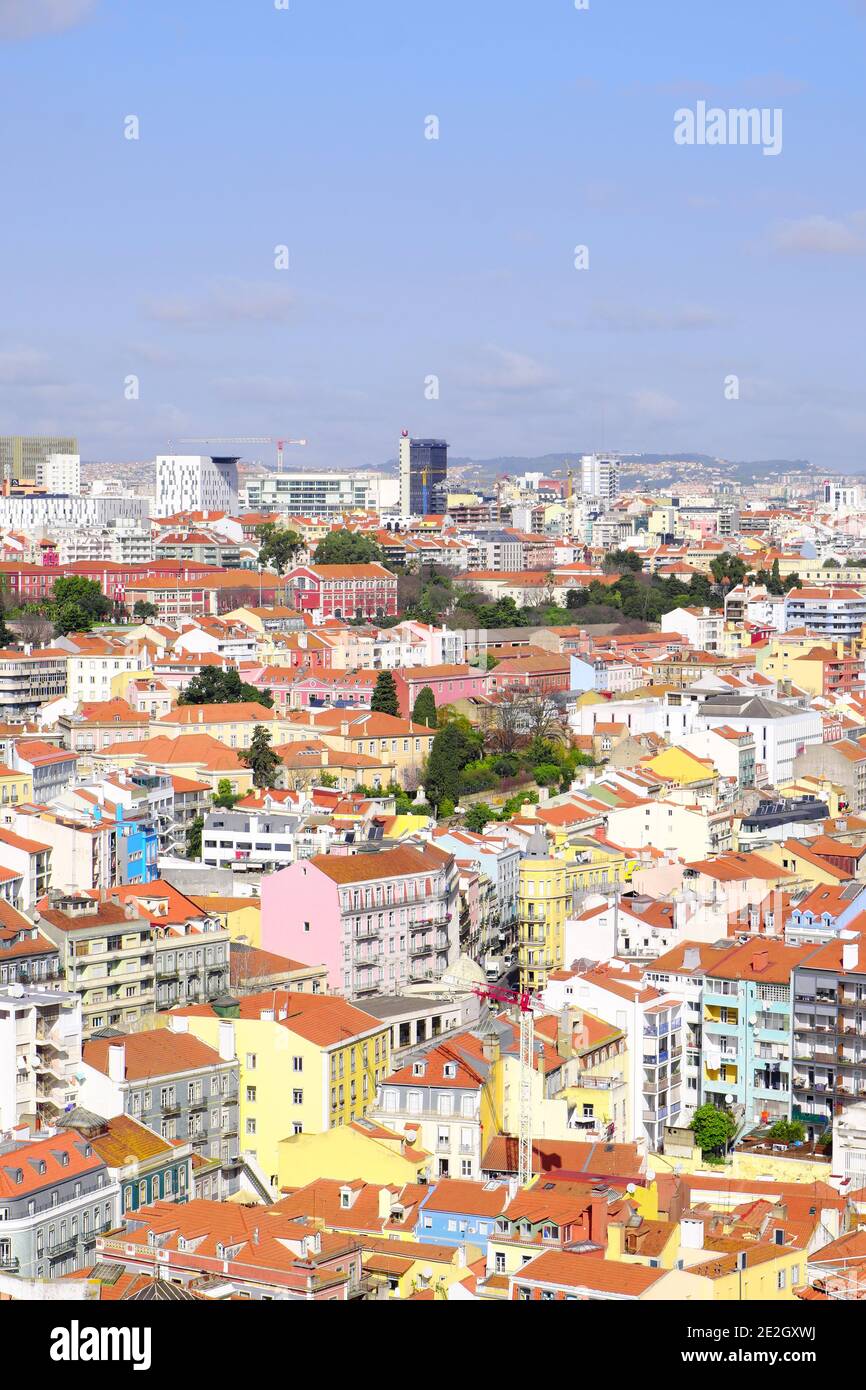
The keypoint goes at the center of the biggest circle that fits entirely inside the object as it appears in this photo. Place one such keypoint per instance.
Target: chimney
(850, 955)
(760, 961)
(178, 1024)
(117, 1061)
(691, 1233)
(692, 958)
(226, 1040)
(598, 1220)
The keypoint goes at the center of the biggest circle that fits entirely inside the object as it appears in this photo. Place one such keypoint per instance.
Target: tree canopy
(261, 758)
(713, 1128)
(347, 548)
(385, 699)
(213, 686)
(278, 547)
(424, 710)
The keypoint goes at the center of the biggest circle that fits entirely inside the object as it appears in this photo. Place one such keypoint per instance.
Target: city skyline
(419, 265)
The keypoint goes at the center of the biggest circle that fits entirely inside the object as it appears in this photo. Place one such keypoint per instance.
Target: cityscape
(432, 846)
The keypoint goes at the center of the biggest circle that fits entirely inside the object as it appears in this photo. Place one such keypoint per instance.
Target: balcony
(63, 1248)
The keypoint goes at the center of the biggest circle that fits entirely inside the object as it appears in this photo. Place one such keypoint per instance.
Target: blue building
(746, 1023)
(457, 1212)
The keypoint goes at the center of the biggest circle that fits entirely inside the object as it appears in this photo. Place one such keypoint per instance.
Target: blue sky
(412, 258)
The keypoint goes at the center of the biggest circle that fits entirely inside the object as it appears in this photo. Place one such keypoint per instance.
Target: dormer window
(450, 1069)
(419, 1068)
(549, 1232)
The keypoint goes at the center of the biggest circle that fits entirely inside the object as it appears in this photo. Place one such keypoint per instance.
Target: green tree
(446, 807)
(193, 838)
(144, 611)
(788, 1131)
(260, 756)
(385, 699)
(424, 710)
(278, 547)
(478, 816)
(327, 779)
(830, 564)
(70, 617)
(451, 750)
(713, 1128)
(225, 797)
(347, 548)
(213, 686)
(85, 593)
(617, 561)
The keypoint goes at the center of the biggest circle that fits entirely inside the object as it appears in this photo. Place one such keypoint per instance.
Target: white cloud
(230, 301)
(26, 19)
(634, 318)
(821, 236)
(655, 405)
(514, 372)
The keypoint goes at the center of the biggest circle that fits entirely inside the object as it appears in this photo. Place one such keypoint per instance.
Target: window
(297, 1097)
(251, 1126)
(780, 1279)
(297, 1064)
(251, 1061)
(251, 1095)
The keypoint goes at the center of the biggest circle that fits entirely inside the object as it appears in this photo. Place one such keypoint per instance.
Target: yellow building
(360, 1150)
(232, 724)
(15, 787)
(680, 768)
(241, 916)
(308, 1063)
(759, 1272)
(548, 883)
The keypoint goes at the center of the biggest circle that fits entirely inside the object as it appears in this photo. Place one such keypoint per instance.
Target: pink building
(448, 683)
(378, 921)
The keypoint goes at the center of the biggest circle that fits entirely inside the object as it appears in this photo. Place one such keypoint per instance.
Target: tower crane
(527, 1003)
(244, 439)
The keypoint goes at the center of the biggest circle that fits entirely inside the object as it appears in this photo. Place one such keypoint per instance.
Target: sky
(431, 283)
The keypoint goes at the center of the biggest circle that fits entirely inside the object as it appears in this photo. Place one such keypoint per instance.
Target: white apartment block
(40, 1054)
(195, 482)
(60, 473)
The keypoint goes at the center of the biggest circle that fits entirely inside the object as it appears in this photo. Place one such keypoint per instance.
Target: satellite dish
(630, 1187)
(650, 1174)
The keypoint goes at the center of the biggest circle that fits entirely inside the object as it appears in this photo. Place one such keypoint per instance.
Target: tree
(507, 722)
(617, 561)
(213, 686)
(788, 1131)
(143, 611)
(278, 547)
(225, 797)
(85, 594)
(541, 717)
(347, 548)
(713, 1128)
(424, 710)
(446, 807)
(478, 816)
(450, 752)
(385, 699)
(193, 838)
(327, 779)
(32, 628)
(71, 617)
(260, 756)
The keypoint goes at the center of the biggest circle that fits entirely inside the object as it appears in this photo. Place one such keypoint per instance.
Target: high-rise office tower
(600, 477)
(423, 472)
(196, 482)
(21, 454)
